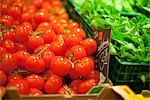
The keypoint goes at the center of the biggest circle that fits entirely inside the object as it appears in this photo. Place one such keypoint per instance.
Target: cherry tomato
(74, 84)
(12, 77)
(41, 47)
(35, 92)
(9, 35)
(2, 50)
(46, 73)
(8, 62)
(21, 57)
(35, 81)
(3, 78)
(60, 65)
(78, 31)
(53, 84)
(21, 86)
(66, 90)
(77, 52)
(86, 85)
(9, 45)
(7, 20)
(84, 66)
(35, 64)
(90, 46)
(73, 75)
(94, 74)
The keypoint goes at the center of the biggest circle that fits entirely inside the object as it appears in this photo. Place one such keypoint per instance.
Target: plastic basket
(129, 73)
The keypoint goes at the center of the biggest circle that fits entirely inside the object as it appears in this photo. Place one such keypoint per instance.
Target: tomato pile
(42, 51)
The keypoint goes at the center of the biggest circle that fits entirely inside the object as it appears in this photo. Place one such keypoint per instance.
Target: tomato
(20, 46)
(48, 35)
(46, 73)
(84, 66)
(34, 41)
(7, 20)
(72, 39)
(21, 86)
(94, 74)
(60, 65)
(12, 77)
(73, 24)
(28, 26)
(86, 85)
(47, 56)
(7, 62)
(53, 84)
(4, 8)
(21, 57)
(3, 78)
(77, 52)
(44, 25)
(2, 50)
(22, 33)
(35, 64)
(74, 84)
(78, 31)
(9, 45)
(41, 47)
(37, 3)
(9, 35)
(35, 92)
(66, 90)
(35, 81)
(73, 75)
(90, 46)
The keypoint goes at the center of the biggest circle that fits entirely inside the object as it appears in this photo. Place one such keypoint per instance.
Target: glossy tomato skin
(21, 86)
(12, 77)
(41, 47)
(77, 52)
(9, 45)
(84, 66)
(8, 62)
(53, 83)
(9, 35)
(3, 78)
(7, 20)
(73, 75)
(47, 56)
(78, 31)
(66, 90)
(21, 57)
(35, 64)
(90, 46)
(35, 92)
(35, 81)
(60, 65)
(86, 85)
(2, 50)
(74, 84)
(94, 74)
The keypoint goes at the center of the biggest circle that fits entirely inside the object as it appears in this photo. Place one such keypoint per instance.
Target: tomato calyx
(36, 33)
(67, 89)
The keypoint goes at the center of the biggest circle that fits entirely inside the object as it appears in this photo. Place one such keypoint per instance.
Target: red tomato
(4, 8)
(2, 50)
(3, 78)
(90, 46)
(44, 25)
(94, 74)
(41, 47)
(21, 86)
(72, 39)
(35, 81)
(7, 20)
(47, 56)
(77, 52)
(35, 64)
(8, 35)
(48, 35)
(60, 65)
(66, 90)
(35, 92)
(12, 77)
(9, 45)
(37, 3)
(34, 41)
(8, 62)
(46, 74)
(73, 75)
(86, 85)
(20, 46)
(28, 26)
(73, 24)
(79, 31)
(53, 84)
(21, 57)
(74, 84)
(84, 66)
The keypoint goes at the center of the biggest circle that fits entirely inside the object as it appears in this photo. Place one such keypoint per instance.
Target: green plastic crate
(129, 73)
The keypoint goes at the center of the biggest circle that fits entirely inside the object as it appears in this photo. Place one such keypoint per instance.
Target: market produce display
(42, 51)
(129, 21)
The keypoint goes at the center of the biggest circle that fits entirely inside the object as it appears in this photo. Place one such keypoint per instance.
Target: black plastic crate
(129, 73)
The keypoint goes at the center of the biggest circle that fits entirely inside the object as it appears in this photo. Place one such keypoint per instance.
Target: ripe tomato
(77, 52)
(21, 57)
(73, 75)
(47, 56)
(41, 47)
(66, 90)
(9, 45)
(74, 84)
(34, 41)
(84, 66)
(35, 81)
(90, 46)
(28, 26)
(35, 64)
(44, 25)
(60, 65)
(35, 92)
(72, 39)
(3, 78)
(21, 86)
(53, 84)
(86, 85)
(78, 31)
(8, 62)
(2, 50)
(9, 35)
(94, 74)
(7, 20)
(46, 73)
(12, 77)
